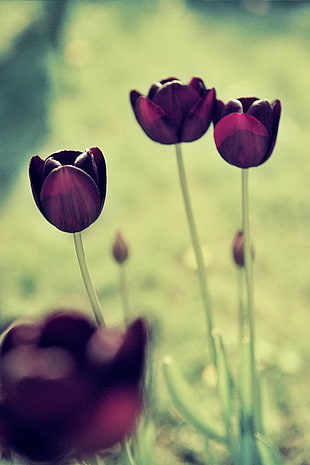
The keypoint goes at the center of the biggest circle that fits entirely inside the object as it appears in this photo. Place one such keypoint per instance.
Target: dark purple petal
(36, 178)
(261, 110)
(276, 113)
(86, 163)
(108, 420)
(199, 118)
(218, 111)
(70, 199)
(67, 329)
(118, 358)
(176, 99)
(134, 95)
(247, 102)
(198, 84)
(65, 157)
(49, 165)
(241, 140)
(232, 106)
(101, 171)
(19, 334)
(155, 122)
(129, 362)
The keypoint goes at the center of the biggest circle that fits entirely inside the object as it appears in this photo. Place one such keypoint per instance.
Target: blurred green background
(66, 69)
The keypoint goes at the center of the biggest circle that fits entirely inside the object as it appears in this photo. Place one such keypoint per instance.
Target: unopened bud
(120, 248)
(238, 249)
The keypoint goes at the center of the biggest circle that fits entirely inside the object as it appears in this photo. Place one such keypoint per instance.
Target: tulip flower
(68, 388)
(174, 112)
(246, 129)
(69, 187)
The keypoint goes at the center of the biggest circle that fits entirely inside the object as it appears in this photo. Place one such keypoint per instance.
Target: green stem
(197, 250)
(129, 453)
(124, 291)
(240, 276)
(78, 243)
(248, 267)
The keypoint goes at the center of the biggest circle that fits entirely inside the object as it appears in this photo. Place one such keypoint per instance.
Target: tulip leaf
(268, 455)
(245, 380)
(185, 401)
(224, 378)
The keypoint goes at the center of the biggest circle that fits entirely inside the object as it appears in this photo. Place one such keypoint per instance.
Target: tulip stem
(124, 291)
(92, 295)
(129, 453)
(248, 267)
(197, 250)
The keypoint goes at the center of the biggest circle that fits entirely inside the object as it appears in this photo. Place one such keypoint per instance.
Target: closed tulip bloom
(69, 187)
(246, 129)
(68, 388)
(238, 249)
(120, 248)
(174, 112)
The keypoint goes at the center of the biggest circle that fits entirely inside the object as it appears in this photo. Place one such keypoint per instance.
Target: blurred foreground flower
(69, 187)
(246, 130)
(69, 388)
(174, 112)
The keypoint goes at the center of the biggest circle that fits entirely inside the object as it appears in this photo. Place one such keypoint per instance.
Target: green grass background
(107, 49)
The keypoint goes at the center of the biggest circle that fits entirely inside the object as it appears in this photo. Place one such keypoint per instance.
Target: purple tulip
(174, 112)
(246, 129)
(69, 389)
(69, 187)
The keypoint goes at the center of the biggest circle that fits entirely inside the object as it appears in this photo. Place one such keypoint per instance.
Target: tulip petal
(108, 421)
(241, 140)
(133, 96)
(65, 157)
(101, 170)
(247, 102)
(66, 329)
(176, 99)
(155, 122)
(232, 106)
(261, 110)
(199, 118)
(70, 199)
(198, 84)
(35, 174)
(276, 113)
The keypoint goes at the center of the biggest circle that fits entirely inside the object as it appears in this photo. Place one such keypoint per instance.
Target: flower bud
(174, 112)
(69, 187)
(120, 248)
(238, 249)
(246, 129)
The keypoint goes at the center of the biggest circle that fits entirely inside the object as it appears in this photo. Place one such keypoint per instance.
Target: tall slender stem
(78, 243)
(197, 250)
(249, 282)
(240, 276)
(124, 291)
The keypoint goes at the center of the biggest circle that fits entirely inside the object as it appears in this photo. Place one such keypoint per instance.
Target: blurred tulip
(120, 249)
(174, 112)
(68, 388)
(246, 129)
(69, 187)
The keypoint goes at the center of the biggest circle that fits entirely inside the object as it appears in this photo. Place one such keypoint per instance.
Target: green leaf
(185, 401)
(245, 381)
(224, 378)
(268, 455)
